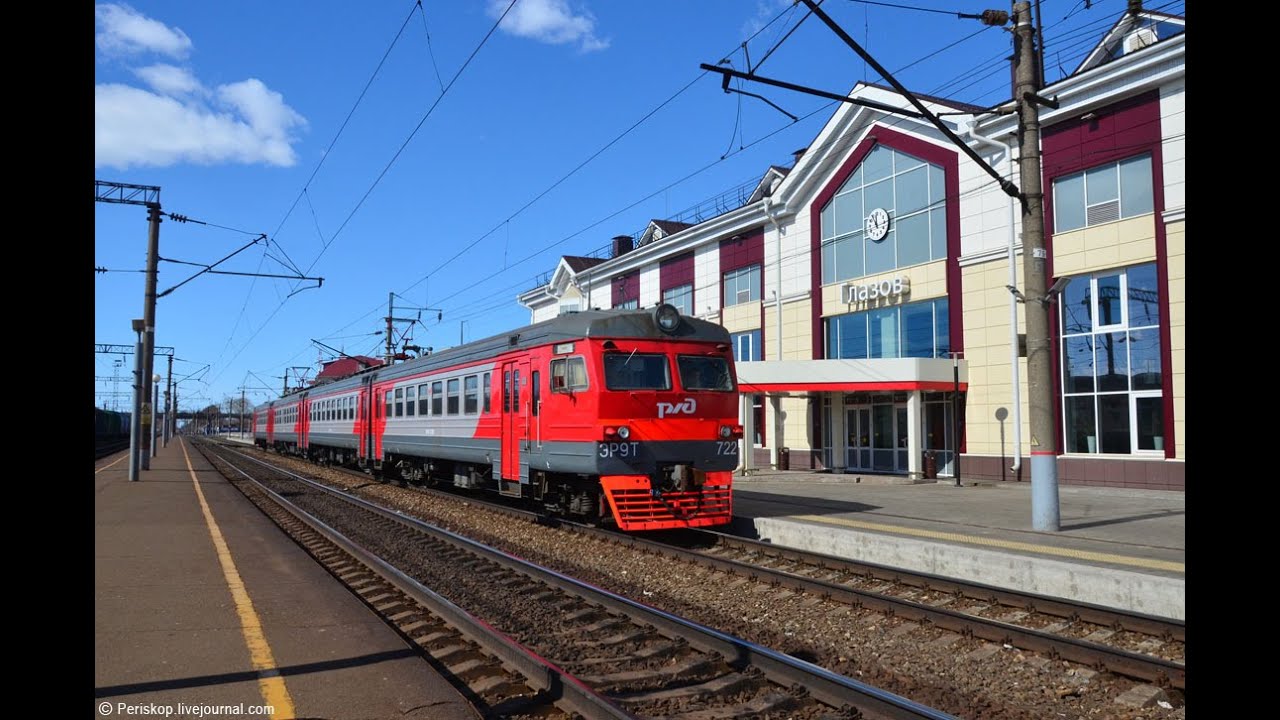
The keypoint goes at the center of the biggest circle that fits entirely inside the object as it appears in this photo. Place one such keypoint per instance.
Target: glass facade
(742, 285)
(920, 329)
(681, 298)
(1103, 194)
(1112, 374)
(746, 346)
(911, 193)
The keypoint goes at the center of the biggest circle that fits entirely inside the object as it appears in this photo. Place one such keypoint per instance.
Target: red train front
(623, 415)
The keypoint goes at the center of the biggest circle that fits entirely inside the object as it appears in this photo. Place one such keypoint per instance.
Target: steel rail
(542, 675)
(825, 686)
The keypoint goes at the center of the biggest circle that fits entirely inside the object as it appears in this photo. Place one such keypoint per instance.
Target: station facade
(869, 287)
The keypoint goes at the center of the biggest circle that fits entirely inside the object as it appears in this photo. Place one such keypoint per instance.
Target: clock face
(877, 224)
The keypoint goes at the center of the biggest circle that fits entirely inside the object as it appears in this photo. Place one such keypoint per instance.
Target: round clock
(877, 224)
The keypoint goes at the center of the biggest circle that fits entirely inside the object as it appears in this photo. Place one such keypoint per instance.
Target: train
(110, 430)
(617, 417)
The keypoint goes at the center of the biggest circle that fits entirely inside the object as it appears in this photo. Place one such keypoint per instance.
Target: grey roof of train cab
(607, 324)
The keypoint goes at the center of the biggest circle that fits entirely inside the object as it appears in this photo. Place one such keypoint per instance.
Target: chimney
(796, 154)
(622, 245)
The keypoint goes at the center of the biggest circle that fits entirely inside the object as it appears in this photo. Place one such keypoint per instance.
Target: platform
(1116, 547)
(201, 601)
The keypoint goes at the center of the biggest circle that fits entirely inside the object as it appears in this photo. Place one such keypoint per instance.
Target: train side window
(506, 391)
(424, 401)
(471, 399)
(568, 374)
(535, 395)
(486, 390)
(351, 407)
(437, 398)
(410, 400)
(387, 395)
(455, 393)
(399, 402)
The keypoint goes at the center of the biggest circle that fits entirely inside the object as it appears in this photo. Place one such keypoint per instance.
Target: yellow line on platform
(270, 684)
(104, 467)
(1006, 544)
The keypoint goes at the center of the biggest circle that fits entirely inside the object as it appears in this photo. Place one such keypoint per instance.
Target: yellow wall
(1117, 244)
(797, 331)
(742, 317)
(1176, 243)
(927, 281)
(986, 350)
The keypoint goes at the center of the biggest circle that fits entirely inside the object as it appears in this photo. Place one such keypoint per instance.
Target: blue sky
(235, 109)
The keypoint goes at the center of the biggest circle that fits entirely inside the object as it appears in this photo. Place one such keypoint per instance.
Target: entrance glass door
(858, 425)
(877, 438)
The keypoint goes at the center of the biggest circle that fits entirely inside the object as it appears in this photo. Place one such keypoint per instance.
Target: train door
(515, 422)
(304, 423)
(271, 425)
(364, 420)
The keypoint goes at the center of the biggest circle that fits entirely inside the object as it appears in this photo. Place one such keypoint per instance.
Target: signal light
(617, 431)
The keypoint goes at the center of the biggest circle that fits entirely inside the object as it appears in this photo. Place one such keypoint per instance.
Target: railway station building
(867, 287)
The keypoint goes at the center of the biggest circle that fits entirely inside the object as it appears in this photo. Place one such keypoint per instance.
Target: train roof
(606, 324)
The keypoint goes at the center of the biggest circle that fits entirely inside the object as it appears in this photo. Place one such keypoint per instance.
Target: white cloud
(246, 123)
(168, 79)
(549, 21)
(124, 31)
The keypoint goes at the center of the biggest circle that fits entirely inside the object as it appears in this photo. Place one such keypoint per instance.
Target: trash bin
(784, 458)
(930, 465)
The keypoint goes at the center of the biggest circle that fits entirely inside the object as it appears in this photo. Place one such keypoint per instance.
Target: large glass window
(628, 305)
(704, 373)
(636, 371)
(889, 214)
(742, 285)
(1103, 194)
(918, 329)
(746, 346)
(1112, 377)
(680, 297)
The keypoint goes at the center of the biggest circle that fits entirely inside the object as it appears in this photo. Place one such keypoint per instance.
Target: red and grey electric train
(622, 415)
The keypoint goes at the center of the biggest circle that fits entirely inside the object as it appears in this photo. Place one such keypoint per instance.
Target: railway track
(606, 655)
(967, 638)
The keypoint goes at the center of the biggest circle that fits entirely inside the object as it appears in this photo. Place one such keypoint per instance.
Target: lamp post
(955, 411)
(155, 411)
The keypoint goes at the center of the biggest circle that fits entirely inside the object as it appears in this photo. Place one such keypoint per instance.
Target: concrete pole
(1044, 446)
(149, 321)
(155, 416)
(135, 420)
(168, 408)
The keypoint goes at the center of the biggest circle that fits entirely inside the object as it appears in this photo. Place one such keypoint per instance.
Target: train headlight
(624, 432)
(667, 317)
(730, 431)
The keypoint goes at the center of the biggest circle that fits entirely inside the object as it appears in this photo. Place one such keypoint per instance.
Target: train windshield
(636, 371)
(705, 373)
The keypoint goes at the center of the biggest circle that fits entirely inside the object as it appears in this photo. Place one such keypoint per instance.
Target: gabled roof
(658, 229)
(1132, 32)
(961, 106)
(765, 187)
(578, 263)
